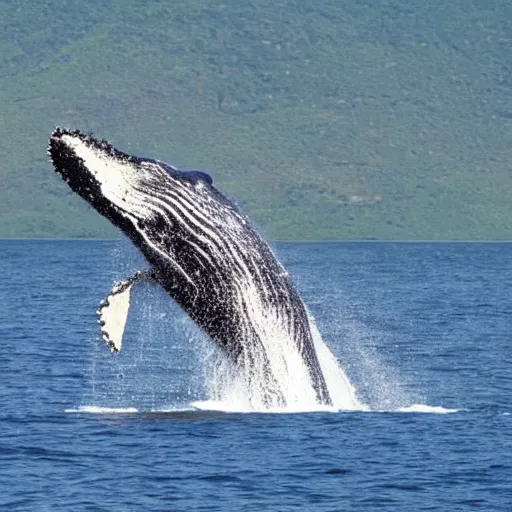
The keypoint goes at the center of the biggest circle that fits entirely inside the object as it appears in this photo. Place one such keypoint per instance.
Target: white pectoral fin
(113, 311)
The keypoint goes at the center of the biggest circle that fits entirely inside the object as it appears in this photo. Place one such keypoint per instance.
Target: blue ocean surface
(422, 330)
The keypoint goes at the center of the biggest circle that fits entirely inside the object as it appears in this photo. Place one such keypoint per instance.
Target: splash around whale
(203, 251)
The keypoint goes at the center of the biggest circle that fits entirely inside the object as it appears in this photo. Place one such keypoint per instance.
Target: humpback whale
(201, 249)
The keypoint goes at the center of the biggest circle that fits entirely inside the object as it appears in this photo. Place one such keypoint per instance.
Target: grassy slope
(326, 121)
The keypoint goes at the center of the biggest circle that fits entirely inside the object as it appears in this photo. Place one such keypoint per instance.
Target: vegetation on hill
(325, 120)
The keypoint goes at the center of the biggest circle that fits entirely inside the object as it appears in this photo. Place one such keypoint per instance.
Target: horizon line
(325, 241)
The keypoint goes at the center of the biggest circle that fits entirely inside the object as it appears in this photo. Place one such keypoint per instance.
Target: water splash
(273, 375)
(168, 363)
(230, 389)
(430, 409)
(343, 392)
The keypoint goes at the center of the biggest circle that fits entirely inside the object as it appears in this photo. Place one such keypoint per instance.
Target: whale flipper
(113, 311)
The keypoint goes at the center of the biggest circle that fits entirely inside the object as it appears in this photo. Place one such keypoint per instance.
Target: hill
(328, 121)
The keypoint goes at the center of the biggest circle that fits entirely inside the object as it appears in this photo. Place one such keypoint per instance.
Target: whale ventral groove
(201, 249)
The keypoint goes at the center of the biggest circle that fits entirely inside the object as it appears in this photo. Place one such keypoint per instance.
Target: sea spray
(167, 361)
(169, 364)
(233, 388)
(343, 393)
(247, 386)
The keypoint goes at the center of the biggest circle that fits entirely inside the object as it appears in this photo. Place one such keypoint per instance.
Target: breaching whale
(202, 250)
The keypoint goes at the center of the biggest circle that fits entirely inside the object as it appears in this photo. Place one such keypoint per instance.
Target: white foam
(287, 387)
(431, 409)
(230, 407)
(239, 407)
(243, 407)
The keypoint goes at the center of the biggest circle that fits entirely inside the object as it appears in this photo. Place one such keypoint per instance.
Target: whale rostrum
(201, 249)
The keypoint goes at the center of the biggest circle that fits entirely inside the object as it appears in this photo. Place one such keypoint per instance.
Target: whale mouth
(69, 165)
(67, 150)
(91, 168)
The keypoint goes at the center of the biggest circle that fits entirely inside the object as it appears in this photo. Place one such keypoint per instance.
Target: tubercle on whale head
(89, 139)
(80, 157)
(63, 149)
(64, 140)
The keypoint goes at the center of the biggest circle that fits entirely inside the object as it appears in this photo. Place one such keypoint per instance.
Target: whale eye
(201, 176)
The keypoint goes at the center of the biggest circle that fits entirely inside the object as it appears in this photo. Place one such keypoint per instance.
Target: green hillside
(326, 119)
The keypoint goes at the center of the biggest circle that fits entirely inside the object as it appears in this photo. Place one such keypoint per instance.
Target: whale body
(201, 249)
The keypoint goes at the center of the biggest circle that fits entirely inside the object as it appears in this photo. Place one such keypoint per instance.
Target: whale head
(114, 182)
(160, 207)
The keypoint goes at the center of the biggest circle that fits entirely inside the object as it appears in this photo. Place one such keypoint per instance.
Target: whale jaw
(111, 181)
(93, 169)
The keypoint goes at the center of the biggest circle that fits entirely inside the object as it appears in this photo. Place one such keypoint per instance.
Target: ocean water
(422, 331)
